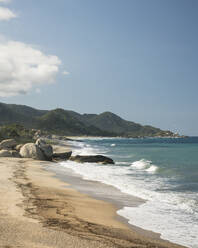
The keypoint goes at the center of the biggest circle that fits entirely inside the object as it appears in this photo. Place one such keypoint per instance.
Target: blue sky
(136, 58)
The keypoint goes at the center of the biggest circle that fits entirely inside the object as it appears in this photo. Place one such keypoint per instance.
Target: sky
(136, 58)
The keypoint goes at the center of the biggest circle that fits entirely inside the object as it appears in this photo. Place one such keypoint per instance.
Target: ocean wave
(149, 217)
(141, 164)
(84, 149)
(145, 165)
(152, 169)
(169, 212)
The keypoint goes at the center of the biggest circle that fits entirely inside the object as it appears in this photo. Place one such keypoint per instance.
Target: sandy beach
(38, 210)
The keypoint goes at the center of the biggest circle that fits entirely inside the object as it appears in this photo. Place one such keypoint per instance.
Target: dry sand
(37, 210)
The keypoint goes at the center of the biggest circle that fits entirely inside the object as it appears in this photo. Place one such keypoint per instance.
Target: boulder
(92, 159)
(5, 153)
(18, 147)
(45, 148)
(31, 150)
(62, 155)
(8, 144)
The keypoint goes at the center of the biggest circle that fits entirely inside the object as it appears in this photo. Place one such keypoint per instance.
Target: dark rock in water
(62, 155)
(92, 159)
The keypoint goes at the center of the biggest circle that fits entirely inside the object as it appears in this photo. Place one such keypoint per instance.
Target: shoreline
(55, 214)
(76, 182)
(132, 201)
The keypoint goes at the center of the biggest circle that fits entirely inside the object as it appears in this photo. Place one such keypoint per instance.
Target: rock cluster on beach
(40, 150)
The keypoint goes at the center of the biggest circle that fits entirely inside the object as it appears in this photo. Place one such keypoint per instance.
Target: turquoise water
(164, 172)
(176, 159)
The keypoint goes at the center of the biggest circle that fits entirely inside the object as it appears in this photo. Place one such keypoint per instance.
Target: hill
(20, 114)
(112, 123)
(66, 122)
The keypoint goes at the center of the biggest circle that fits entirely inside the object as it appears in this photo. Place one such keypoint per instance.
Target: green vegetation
(15, 131)
(70, 123)
(63, 122)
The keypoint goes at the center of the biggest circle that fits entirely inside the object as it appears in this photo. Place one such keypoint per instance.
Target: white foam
(141, 164)
(152, 169)
(113, 144)
(168, 213)
(172, 225)
(145, 165)
(83, 149)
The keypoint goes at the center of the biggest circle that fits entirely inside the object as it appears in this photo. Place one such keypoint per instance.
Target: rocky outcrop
(45, 148)
(92, 159)
(39, 151)
(31, 150)
(8, 144)
(62, 156)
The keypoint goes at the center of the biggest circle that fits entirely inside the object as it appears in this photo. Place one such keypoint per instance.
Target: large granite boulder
(92, 159)
(8, 144)
(31, 150)
(45, 148)
(62, 155)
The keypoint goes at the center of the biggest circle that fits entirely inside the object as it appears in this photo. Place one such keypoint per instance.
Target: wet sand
(38, 210)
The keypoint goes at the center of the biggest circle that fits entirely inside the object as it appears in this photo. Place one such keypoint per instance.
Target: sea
(163, 172)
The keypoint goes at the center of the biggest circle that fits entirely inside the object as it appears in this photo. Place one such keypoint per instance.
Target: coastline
(102, 192)
(55, 214)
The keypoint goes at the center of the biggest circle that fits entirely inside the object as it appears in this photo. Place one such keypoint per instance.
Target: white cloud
(66, 73)
(6, 14)
(23, 67)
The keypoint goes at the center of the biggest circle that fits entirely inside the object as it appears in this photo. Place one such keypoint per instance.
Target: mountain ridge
(71, 123)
